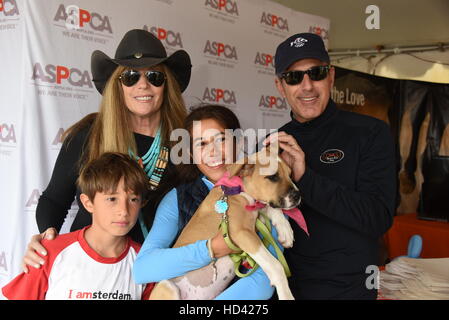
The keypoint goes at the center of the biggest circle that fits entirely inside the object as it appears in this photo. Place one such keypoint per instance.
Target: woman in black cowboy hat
(141, 104)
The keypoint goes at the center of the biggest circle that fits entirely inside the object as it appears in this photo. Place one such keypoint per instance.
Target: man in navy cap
(344, 165)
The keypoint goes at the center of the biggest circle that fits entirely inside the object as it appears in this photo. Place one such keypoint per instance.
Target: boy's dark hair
(104, 174)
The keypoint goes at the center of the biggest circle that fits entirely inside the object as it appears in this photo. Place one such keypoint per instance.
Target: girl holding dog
(211, 149)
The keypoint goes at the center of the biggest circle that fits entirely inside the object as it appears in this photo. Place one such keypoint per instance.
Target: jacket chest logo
(332, 156)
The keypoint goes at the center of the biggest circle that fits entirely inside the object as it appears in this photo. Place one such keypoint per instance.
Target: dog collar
(231, 191)
(230, 186)
(230, 183)
(256, 206)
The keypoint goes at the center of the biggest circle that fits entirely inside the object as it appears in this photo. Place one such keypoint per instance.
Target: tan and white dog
(265, 178)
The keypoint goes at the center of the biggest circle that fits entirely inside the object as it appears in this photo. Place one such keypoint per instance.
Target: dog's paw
(285, 233)
(282, 225)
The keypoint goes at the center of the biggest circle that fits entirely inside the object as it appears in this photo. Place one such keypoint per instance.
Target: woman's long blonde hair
(112, 131)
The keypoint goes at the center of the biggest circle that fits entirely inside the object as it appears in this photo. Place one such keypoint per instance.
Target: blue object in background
(414, 246)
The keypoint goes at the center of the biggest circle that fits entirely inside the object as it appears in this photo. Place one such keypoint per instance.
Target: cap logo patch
(298, 43)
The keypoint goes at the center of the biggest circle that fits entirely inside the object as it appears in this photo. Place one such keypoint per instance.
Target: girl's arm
(156, 261)
(256, 286)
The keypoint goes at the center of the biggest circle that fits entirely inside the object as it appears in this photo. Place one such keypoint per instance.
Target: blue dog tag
(221, 206)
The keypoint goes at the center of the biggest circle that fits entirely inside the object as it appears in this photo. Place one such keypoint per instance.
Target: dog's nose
(296, 196)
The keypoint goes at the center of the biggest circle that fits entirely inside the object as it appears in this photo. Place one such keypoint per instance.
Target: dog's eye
(273, 177)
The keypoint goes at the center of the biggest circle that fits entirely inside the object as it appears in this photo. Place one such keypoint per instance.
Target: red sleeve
(28, 286)
(34, 285)
(146, 293)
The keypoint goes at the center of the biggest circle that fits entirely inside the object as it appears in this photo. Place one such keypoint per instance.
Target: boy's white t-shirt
(74, 271)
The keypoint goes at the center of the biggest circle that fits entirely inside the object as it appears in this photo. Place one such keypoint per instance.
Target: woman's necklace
(154, 161)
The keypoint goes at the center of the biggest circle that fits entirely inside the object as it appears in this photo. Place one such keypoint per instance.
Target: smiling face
(309, 98)
(212, 148)
(143, 99)
(114, 213)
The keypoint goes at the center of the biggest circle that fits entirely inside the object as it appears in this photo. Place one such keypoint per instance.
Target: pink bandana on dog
(234, 185)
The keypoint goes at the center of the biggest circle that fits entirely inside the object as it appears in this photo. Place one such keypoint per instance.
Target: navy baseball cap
(297, 47)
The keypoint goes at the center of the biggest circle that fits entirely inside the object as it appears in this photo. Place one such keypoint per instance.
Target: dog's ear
(272, 148)
(241, 168)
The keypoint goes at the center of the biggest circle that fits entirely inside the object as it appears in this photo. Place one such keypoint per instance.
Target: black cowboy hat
(140, 49)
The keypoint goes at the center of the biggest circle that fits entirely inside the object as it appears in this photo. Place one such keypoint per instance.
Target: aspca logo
(7, 133)
(77, 18)
(322, 32)
(274, 21)
(264, 59)
(33, 199)
(272, 102)
(332, 156)
(9, 8)
(3, 262)
(215, 95)
(298, 42)
(219, 49)
(59, 74)
(169, 37)
(58, 138)
(228, 6)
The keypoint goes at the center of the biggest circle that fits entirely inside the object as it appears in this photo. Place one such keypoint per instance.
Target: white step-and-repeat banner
(46, 84)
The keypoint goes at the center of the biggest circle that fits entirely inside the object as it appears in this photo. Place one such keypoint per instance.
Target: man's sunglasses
(315, 74)
(131, 77)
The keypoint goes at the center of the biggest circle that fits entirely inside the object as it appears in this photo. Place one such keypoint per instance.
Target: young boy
(94, 262)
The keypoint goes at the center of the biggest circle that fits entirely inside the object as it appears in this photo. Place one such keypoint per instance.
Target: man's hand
(292, 153)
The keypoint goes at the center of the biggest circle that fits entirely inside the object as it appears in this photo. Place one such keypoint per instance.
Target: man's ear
(87, 203)
(332, 76)
(278, 83)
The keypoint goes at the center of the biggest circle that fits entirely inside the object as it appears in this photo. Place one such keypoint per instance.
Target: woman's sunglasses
(131, 77)
(315, 74)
